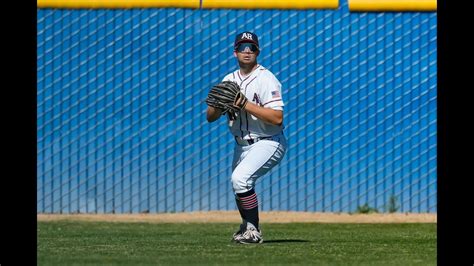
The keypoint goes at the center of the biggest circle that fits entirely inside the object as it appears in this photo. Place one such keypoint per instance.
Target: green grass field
(102, 243)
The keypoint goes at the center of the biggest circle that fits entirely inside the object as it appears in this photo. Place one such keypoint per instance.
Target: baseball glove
(226, 96)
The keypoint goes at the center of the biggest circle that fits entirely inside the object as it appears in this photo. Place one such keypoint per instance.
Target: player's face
(246, 53)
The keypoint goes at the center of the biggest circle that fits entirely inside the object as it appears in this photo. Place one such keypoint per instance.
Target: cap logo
(247, 36)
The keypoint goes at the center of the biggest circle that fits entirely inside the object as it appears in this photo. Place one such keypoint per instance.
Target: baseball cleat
(251, 236)
(237, 236)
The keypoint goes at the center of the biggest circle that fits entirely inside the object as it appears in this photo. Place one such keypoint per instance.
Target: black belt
(252, 141)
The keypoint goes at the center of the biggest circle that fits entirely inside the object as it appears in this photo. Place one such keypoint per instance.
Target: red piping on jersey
(271, 101)
(238, 73)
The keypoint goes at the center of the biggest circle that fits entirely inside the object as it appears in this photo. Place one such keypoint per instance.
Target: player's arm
(213, 114)
(268, 115)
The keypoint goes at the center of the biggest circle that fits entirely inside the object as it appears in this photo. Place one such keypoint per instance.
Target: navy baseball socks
(243, 226)
(247, 204)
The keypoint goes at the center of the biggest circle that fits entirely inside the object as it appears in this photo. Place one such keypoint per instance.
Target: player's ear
(235, 53)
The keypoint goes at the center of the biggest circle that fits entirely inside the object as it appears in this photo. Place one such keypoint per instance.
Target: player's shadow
(285, 241)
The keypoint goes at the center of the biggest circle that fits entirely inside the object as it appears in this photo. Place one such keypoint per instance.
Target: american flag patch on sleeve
(276, 94)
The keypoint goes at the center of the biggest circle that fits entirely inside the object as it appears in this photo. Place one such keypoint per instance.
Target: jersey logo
(247, 36)
(256, 99)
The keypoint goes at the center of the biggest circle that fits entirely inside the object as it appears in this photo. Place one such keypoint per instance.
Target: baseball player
(258, 131)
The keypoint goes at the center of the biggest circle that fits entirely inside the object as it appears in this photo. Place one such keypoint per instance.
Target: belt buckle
(241, 141)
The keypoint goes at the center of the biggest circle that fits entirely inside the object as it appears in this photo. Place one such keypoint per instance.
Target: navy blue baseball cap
(246, 36)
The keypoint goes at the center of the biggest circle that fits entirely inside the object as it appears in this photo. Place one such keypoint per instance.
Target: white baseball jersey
(260, 87)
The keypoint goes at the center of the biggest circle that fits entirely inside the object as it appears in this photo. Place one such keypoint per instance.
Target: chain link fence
(121, 124)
